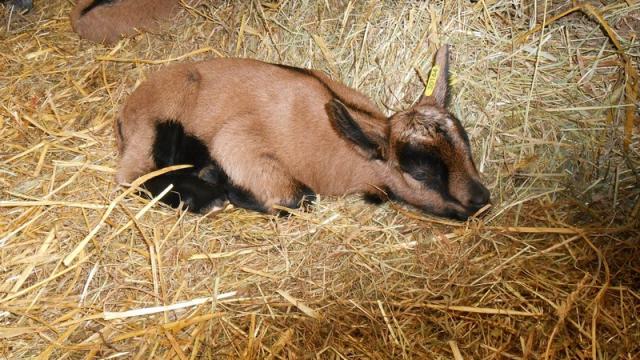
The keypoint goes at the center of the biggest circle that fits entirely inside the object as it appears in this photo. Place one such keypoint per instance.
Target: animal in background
(107, 21)
(260, 135)
(21, 5)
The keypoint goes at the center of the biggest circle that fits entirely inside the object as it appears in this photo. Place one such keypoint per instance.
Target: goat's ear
(436, 90)
(347, 127)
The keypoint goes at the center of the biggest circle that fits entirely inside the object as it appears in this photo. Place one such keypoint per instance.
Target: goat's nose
(480, 196)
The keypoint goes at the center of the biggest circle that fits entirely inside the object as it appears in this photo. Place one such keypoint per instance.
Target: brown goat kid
(106, 21)
(260, 135)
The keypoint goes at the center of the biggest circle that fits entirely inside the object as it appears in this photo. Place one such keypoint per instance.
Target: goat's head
(424, 151)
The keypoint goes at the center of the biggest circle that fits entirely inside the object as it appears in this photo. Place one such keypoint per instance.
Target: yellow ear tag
(431, 83)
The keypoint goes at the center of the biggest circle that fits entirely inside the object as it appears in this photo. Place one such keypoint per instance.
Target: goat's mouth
(455, 210)
(478, 211)
(476, 201)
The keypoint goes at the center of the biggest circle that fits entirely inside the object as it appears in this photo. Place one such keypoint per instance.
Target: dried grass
(551, 271)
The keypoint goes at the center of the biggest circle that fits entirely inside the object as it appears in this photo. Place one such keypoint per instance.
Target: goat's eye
(424, 164)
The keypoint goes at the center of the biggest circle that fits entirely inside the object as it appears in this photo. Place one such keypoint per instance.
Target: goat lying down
(260, 135)
(106, 21)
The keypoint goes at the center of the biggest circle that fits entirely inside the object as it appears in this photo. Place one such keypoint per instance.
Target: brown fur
(269, 129)
(109, 22)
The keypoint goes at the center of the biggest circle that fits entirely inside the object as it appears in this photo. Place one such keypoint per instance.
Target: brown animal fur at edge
(107, 21)
(272, 129)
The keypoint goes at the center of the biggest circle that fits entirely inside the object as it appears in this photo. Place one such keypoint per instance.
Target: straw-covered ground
(551, 270)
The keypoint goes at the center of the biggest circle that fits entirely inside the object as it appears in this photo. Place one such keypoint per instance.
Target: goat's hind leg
(195, 194)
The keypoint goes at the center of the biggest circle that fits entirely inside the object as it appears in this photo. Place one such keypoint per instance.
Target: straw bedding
(90, 270)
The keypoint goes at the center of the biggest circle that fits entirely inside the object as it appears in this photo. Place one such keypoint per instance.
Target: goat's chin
(456, 214)
(451, 210)
(456, 209)
(461, 213)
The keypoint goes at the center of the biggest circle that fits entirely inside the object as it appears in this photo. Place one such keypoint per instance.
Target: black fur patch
(306, 196)
(213, 174)
(349, 129)
(379, 197)
(205, 184)
(173, 146)
(425, 165)
(196, 194)
(94, 4)
(243, 198)
(303, 199)
(200, 186)
(373, 198)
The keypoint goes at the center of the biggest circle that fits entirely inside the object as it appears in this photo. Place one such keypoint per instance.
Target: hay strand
(110, 315)
(89, 269)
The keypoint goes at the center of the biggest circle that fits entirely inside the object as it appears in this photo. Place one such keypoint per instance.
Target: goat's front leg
(257, 180)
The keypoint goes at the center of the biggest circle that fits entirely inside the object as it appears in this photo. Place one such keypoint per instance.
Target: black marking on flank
(94, 4)
(349, 129)
(206, 184)
(173, 146)
(198, 192)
